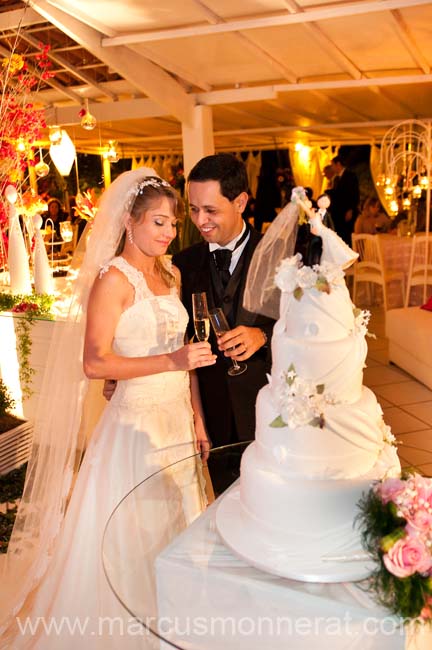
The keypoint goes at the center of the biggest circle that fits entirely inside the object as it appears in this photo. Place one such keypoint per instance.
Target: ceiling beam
(132, 109)
(139, 71)
(171, 66)
(19, 18)
(285, 72)
(143, 107)
(351, 108)
(50, 82)
(60, 60)
(256, 49)
(311, 15)
(355, 83)
(313, 127)
(236, 95)
(157, 58)
(325, 42)
(409, 42)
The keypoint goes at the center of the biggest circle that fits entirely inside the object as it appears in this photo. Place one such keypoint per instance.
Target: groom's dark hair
(225, 168)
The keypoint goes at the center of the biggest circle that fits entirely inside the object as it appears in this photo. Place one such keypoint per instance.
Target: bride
(125, 322)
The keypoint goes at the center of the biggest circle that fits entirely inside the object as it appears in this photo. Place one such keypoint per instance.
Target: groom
(217, 189)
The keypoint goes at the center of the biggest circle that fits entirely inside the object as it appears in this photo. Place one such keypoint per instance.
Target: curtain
(307, 164)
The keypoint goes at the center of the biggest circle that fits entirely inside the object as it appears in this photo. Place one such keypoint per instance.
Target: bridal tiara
(136, 190)
(153, 181)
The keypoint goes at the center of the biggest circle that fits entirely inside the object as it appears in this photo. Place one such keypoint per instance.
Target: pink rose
(420, 521)
(406, 557)
(391, 488)
(423, 486)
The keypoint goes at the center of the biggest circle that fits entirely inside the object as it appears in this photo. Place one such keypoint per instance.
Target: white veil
(261, 295)
(57, 445)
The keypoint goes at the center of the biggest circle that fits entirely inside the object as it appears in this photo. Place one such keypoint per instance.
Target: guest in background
(329, 173)
(372, 219)
(56, 214)
(345, 197)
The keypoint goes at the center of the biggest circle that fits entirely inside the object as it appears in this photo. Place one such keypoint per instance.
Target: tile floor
(407, 404)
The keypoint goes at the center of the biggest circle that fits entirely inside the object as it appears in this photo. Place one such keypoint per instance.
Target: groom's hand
(242, 342)
(109, 388)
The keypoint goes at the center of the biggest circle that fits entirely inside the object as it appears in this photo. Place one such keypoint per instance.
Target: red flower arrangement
(21, 122)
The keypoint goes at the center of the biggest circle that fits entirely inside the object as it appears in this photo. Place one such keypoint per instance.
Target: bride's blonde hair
(149, 192)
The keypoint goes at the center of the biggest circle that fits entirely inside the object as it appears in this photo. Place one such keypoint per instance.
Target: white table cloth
(209, 599)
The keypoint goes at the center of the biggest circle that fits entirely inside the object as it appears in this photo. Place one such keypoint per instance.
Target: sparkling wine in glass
(201, 316)
(220, 326)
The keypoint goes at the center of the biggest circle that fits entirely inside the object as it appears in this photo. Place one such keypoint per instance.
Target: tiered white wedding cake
(320, 436)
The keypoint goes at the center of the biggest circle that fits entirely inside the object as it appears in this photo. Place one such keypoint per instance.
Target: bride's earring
(130, 236)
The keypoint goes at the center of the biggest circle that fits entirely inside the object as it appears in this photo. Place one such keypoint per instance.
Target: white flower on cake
(299, 401)
(292, 277)
(306, 277)
(286, 277)
(388, 437)
(361, 320)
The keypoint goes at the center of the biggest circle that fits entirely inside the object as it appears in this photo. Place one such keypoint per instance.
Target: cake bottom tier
(303, 529)
(316, 509)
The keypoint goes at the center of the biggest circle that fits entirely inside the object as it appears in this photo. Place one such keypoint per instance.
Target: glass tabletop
(154, 514)
(172, 573)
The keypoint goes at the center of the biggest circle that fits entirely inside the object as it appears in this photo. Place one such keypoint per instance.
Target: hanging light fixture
(41, 168)
(55, 134)
(417, 192)
(111, 153)
(63, 154)
(88, 121)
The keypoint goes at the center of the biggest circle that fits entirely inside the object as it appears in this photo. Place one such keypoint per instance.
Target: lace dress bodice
(151, 325)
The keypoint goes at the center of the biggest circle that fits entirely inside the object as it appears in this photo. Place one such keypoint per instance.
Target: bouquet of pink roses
(396, 520)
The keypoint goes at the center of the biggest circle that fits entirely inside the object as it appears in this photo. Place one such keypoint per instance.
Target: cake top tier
(315, 302)
(293, 277)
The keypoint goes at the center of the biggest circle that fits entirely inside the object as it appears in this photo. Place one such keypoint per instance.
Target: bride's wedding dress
(144, 415)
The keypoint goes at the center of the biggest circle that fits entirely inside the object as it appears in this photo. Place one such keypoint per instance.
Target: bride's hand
(194, 355)
(203, 444)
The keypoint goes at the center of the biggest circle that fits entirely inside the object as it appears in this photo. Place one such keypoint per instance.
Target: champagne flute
(201, 316)
(220, 326)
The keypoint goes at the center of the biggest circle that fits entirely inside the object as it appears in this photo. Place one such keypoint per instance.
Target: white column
(198, 139)
(106, 167)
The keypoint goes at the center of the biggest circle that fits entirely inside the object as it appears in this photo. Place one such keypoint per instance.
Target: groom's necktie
(222, 257)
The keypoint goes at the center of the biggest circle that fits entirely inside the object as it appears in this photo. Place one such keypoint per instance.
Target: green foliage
(44, 302)
(404, 597)
(24, 345)
(6, 401)
(278, 423)
(29, 307)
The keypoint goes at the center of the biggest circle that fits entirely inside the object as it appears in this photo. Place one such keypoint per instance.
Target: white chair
(420, 268)
(370, 267)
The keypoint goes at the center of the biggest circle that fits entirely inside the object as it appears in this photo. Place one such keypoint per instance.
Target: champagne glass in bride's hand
(201, 316)
(220, 326)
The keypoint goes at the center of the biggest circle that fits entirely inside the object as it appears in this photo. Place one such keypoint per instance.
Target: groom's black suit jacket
(228, 402)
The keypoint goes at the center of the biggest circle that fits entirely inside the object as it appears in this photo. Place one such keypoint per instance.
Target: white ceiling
(274, 71)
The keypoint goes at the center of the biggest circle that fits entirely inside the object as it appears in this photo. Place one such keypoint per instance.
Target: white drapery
(307, 164)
